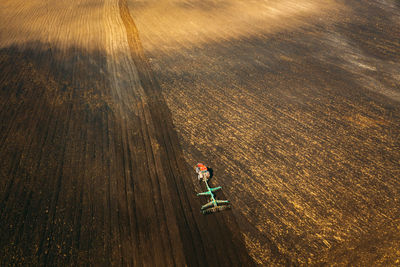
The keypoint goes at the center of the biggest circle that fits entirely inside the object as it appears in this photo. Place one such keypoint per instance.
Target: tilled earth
(296, 106)
(92, 172)
(106, 104)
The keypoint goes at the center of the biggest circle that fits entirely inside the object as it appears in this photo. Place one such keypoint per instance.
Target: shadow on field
(81, 180)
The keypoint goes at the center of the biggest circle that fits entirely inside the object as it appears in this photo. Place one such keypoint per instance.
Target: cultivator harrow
(213, 205)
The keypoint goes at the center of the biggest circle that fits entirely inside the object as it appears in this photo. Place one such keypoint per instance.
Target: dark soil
(92, 176)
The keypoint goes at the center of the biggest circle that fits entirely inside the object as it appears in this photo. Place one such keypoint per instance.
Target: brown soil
(295, 105)
(92, 172)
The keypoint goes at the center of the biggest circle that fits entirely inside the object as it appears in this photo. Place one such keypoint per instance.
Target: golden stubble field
(295, 106)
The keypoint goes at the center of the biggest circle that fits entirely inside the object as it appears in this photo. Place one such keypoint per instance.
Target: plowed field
(92, 172)
(105, 106)
(295, 105)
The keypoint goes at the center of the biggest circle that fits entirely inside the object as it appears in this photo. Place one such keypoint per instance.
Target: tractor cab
(202, 172)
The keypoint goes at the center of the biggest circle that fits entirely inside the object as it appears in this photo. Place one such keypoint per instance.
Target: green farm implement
(213, 205)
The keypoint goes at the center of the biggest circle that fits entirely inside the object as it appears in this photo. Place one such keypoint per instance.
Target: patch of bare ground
(295, 105)
(92, 172)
